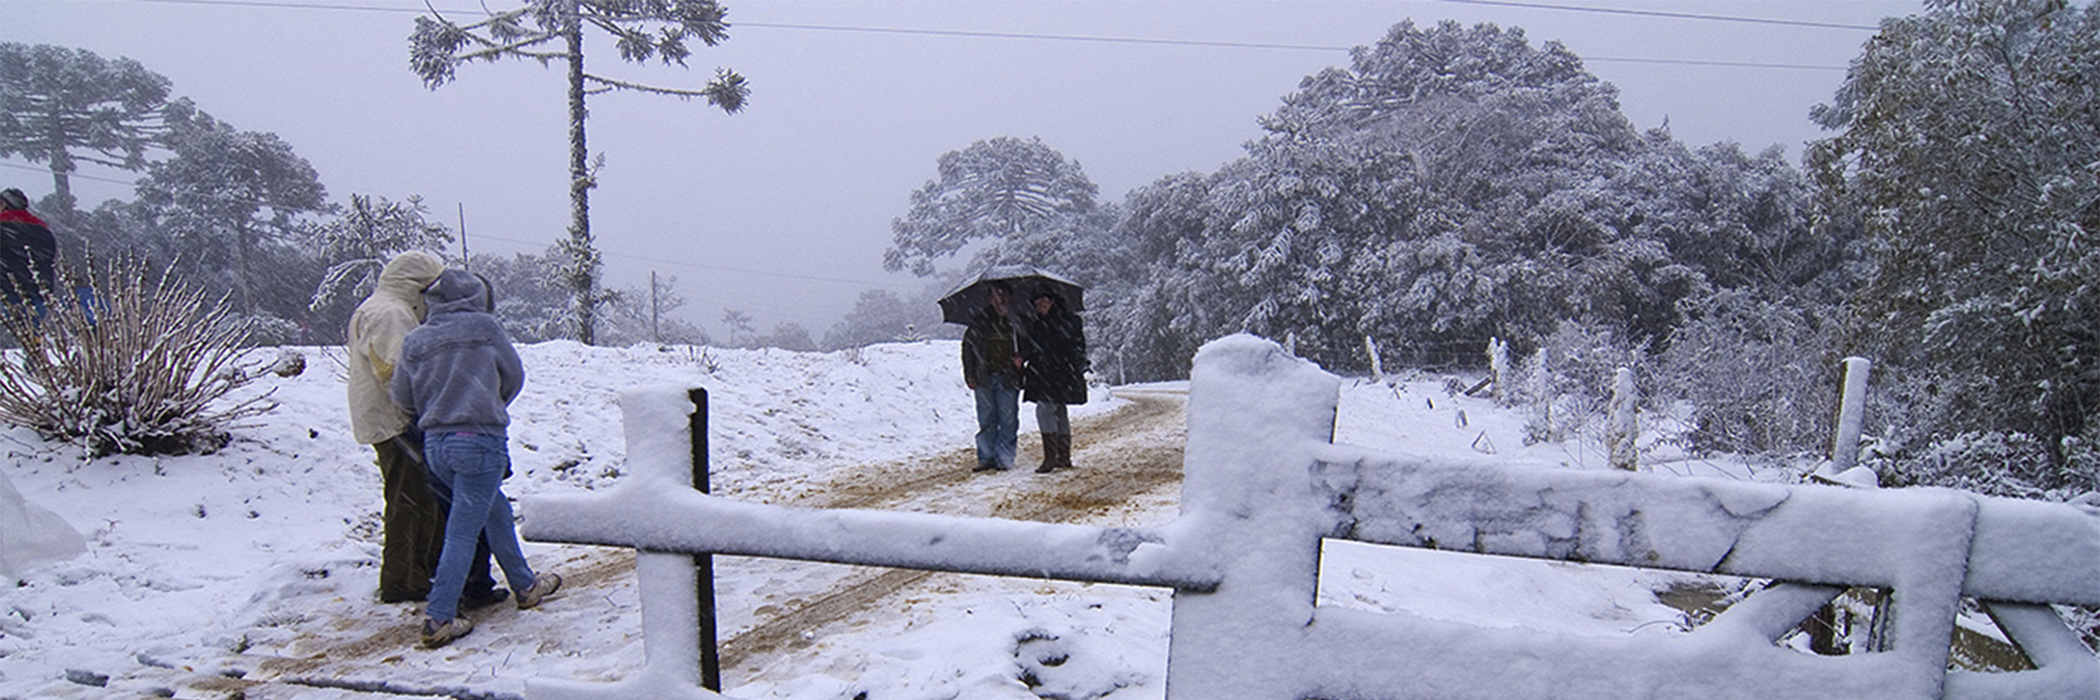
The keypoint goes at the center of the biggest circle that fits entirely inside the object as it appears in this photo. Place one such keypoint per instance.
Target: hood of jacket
(374, 343)
(458, 290)
(407, 274)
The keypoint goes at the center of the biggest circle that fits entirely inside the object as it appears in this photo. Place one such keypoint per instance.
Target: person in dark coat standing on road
(991, 360)
(1055, 375)
(27, 252)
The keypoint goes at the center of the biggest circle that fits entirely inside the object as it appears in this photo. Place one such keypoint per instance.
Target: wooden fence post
(1620, 430)
(1852, 411)
(1498, 371)
(1377, 363)
(704, 564)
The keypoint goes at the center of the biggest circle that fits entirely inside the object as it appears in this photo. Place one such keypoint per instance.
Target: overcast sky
(783, 211)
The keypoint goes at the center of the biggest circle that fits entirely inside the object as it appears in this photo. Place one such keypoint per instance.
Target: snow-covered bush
(142, 370)
(1566, 385)
(271, 329)
(2016, 465)
(1758, 376)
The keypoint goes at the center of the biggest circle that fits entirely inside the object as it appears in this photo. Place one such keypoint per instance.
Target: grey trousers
(1052, 418)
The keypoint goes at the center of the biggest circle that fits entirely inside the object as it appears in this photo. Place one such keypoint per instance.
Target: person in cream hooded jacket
(413, 521)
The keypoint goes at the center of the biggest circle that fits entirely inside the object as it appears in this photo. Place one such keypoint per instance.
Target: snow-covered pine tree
(61, 106)
(235, 203)
(552, 30)
(358, 244)
(1012, 193)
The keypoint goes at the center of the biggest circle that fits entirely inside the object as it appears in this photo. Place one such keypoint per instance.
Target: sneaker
(476, 601)
(542, 587)
(437, 635)
(987, 468)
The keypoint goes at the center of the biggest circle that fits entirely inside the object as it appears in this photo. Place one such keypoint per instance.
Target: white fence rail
(1263, 487)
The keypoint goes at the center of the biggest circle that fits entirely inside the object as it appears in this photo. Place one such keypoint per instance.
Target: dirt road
(350, 649)
(1122, 455)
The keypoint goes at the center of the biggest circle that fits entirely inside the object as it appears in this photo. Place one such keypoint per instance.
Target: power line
(644, 258)
(1699, 62)
(73, 175)
(718, 268)
(1051, 37)
(1667, 15)
(288, 5)
(1155, 41)
(1025, 35)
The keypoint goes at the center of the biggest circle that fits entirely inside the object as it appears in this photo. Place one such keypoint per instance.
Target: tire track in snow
(1120, 456)
(359, 647)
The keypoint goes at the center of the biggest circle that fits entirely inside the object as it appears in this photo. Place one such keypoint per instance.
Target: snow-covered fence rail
(1263, 487)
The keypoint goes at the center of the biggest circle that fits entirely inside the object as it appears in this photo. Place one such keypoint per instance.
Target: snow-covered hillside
(243, 569)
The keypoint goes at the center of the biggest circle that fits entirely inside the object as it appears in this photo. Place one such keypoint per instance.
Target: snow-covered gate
(1264, 486)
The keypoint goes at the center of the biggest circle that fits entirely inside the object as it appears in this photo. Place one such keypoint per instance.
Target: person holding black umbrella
(1055, 375)
(992, 361)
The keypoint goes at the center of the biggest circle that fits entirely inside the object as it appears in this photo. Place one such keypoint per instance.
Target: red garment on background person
(27, 253)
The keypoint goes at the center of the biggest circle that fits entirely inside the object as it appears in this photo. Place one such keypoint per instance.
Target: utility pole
(466, 262)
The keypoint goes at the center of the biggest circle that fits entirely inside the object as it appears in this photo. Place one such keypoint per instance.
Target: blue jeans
(89, 304)
(998, 421)
(471, 466)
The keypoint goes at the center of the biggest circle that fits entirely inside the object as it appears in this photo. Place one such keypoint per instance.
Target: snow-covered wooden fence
(1263, 487)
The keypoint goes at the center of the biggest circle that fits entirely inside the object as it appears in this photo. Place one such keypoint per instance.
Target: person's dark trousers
(415, 528)
(413, 522)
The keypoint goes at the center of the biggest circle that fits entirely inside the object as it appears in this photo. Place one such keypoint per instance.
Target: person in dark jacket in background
(458, 374)
(1055, 375)
(27, 252)
(991, 360)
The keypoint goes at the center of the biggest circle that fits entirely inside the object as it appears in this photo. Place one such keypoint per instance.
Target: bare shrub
(140, 370)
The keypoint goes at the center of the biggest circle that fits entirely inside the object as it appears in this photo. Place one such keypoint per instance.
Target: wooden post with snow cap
(1256, 417)
(1852, 410)
(1843, 467)
(666, 431)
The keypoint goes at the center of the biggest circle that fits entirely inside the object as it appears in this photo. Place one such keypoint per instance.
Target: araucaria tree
(230, 198)
(63, 106)
(552, 30)
(1969, 138)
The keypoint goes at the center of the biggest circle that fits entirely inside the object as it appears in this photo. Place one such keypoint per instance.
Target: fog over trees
(1450, 186)
(1455, 185)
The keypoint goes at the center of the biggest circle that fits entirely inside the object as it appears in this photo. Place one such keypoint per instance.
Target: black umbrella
(1027, 281)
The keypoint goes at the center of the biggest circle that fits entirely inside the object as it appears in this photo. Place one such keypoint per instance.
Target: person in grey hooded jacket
(458, 374)
(413, 531)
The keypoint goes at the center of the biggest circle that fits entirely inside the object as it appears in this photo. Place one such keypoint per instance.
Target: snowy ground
(252, 571)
